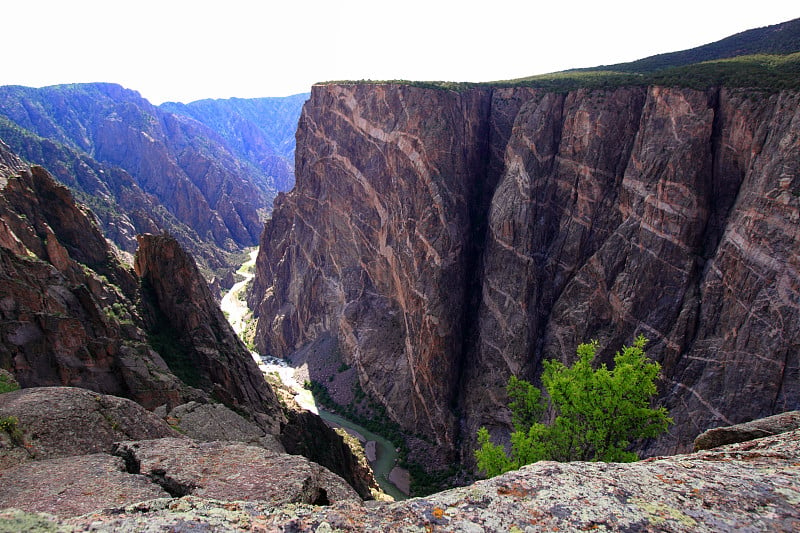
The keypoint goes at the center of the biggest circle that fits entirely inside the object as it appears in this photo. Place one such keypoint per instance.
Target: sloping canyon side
(206, 172)
(448, 240)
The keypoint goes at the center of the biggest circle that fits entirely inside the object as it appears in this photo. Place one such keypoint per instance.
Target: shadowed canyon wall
(449, 240)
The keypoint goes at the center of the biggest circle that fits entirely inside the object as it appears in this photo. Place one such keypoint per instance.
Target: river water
(384, 466)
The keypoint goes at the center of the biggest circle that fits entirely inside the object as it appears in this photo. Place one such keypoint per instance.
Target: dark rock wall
(372, 243)
(449, 240)
(180, 306)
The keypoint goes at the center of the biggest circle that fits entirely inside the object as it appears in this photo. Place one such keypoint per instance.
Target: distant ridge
(778, 39)
(764, 58)
(257, 130)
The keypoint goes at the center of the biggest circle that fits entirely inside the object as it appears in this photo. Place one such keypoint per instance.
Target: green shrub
(7, 382)
(598, 412)
(10, 426)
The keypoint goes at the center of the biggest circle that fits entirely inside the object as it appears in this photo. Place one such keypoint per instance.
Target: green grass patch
(759, 71)
(10, 426)
(7, 382)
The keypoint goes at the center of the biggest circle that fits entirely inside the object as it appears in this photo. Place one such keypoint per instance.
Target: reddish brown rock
(384, 269)
(183, 311)
(67, 311)
(72, 486)
(756, 429)
(64, 421)
(234, 471)
(744, 487)
(446, 240)
(207, 422)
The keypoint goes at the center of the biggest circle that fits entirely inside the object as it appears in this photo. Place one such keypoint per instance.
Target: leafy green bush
(10, 426)
(7, 382)
(598, 412)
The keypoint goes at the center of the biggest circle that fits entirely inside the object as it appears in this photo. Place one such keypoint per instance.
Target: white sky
(187, 50)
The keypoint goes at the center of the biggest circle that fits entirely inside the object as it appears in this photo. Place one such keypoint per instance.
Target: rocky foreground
(750, 486)
(94, 345)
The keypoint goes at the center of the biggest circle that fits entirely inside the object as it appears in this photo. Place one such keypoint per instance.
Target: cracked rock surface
(168, 467)
(233, 471)
(750, 486)
(70, 486)
(208, 422)
(66, 421)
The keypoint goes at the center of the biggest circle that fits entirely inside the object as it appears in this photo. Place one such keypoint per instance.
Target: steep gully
(384, 457)
(446, 240)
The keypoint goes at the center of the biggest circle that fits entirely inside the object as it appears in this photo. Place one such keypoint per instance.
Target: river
(384, 466)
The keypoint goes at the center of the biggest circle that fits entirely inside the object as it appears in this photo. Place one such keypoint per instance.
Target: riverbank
(386, 456)
(233, 303)
(383, 457)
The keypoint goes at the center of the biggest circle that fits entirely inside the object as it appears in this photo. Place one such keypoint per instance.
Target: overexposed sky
(176, 50)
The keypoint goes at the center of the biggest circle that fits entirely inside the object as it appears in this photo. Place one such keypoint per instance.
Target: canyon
(205, 171)
(93, 343)
(439, 241)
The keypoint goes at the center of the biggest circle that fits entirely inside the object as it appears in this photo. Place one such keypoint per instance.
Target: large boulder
(763, 427)
(233, 471)
(207, 422)
(71, 486)
(68, 421)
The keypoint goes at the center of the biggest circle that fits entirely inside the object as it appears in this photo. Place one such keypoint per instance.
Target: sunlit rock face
(449, 240)
(373, 243)
(67, 303)
(750, 486)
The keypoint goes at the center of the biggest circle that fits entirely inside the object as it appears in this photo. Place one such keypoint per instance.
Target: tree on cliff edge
(597, 412)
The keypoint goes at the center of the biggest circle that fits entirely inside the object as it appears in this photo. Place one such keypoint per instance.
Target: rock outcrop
(75, 485)
(65, 421)
(743, 487)
(208, 422)
(447, 240)
(200, 341)
(306, 434)
(67, 311)
(135, 471)
(71, 314)
(70, 451)
(234, 471)
(763, 427)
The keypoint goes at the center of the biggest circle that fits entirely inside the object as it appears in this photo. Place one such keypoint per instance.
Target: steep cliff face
(675, 220)
(372, 244)
(72, 314)
(68, 315)
(196, 337)
(448, 240)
